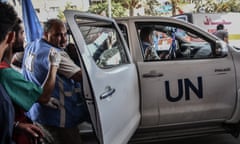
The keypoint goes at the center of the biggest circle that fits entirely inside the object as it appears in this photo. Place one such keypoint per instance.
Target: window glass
(162, 42)
(104, 43)
(123, 29)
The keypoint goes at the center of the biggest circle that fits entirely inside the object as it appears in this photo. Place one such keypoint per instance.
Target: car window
(123, 29)
(103, 43)
(173, 43)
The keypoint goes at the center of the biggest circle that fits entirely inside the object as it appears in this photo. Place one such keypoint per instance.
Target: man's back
(35, 62)
(221, 34)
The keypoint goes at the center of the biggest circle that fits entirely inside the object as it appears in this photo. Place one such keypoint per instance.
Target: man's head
(18, 44)
(8, 18)
(146, 35)
(220, 27)
(55, 33)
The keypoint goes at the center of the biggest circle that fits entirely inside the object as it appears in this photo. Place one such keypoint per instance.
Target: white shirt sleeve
(67, 67)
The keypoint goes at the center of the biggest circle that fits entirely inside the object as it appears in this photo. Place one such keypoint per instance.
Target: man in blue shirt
(66, 108)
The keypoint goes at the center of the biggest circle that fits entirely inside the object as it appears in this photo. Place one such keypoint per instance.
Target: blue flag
(33, 28)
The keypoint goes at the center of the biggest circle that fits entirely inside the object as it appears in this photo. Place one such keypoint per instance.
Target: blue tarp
(33, 28)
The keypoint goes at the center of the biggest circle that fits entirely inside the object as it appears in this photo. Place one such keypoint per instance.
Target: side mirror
(221, 49)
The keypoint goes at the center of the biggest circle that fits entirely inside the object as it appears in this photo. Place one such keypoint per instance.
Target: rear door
(109, 76)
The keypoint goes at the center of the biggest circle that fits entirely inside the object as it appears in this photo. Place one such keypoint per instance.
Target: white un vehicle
(192, 90)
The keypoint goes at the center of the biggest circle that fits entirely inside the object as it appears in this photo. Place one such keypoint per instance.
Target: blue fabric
(145, 45)
(172, 50)
(6, 117)
(35, 69)
(33, 28)
(3, 0)
(155, 40)
(75, 108)
(35, 61)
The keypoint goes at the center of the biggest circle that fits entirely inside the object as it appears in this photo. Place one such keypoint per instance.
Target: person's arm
(32, 129)
(77, 76)
(54, 58)
(68, 68)
(226, 37)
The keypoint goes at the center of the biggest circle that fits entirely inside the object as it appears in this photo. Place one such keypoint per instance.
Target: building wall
(47, 9)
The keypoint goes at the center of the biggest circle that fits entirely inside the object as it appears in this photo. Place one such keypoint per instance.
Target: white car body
(189, 95)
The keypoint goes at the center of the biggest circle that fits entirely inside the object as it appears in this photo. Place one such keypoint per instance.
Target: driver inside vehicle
(149, 51)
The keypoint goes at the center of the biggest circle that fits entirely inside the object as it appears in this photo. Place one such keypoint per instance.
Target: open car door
(109, 76)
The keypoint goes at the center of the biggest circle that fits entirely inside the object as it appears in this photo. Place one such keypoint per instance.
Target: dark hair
(8, 18)
(17, 26)
(17, 46)
(220, 27)
(145, 32)
(50, 23)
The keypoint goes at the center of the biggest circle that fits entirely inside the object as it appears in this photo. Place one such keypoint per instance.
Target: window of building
(54, 9)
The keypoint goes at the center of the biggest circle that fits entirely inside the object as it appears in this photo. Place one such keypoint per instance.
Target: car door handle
(152, 74)
(108, 92)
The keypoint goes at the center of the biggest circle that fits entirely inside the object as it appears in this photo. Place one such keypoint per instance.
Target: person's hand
(34, 130)
(54, 57)
(47, 138)
(53, 103)
(148, 51)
